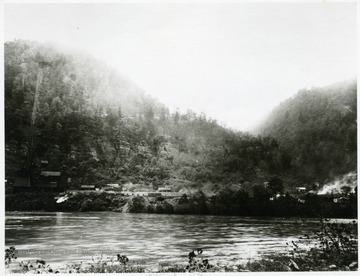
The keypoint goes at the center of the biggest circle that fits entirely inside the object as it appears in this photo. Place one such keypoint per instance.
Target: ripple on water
(145, 236)
(82, 218)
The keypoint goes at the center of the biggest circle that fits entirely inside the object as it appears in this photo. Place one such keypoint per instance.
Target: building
(164, 190)
(113, 185)
(22, 183)
(141, 193)
(48, 180)
(127, 193)
(45, 176)
(300, 189)
(154, 194)
(87, 187)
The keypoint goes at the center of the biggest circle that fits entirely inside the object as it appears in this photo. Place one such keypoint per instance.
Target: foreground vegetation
(332, 247)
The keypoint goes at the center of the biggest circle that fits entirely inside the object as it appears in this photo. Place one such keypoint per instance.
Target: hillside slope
(317, 129)
(96, 127)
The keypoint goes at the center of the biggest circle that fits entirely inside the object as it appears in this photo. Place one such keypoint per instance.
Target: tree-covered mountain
(97, 127)
(317, 129)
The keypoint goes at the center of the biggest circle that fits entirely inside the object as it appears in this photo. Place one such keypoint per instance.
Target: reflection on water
(71, 237)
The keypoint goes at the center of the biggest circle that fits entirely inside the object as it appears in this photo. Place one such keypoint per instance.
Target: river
(61, 238)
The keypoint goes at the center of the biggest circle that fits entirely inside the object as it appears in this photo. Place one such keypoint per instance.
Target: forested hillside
(96, 127)
(317, 129)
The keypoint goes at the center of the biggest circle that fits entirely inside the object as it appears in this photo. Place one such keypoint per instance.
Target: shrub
(10, 255)
(333, 246)
(197, 263)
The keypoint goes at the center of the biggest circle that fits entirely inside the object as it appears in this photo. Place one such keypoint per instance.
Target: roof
(113, 185)
(143, 190)
(87, 186)
(164, 189)
(50, 173)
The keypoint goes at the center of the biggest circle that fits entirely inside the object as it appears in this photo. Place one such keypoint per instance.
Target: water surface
(151, 238)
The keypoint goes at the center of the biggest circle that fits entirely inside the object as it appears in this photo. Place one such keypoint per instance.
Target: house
(141, 193)
(300, 189)
(164, 190)
(48, 180)
(154, 194)
(50, 173)
(113, 185)
(340, 199)
(22, 182)
(127, 193)
(87, 187)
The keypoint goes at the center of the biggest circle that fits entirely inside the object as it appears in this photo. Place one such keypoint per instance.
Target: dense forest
(97, 127)
(317, 129)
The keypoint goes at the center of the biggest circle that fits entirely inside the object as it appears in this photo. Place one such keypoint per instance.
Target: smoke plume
(337, 186)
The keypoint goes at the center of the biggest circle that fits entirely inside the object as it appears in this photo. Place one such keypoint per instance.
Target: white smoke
(348, 180)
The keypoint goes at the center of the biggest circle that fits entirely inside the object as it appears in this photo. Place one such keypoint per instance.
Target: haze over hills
(97, 128)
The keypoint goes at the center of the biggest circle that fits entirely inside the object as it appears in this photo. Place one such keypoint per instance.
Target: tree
(345, 190)
(276, 185)
(261, 193)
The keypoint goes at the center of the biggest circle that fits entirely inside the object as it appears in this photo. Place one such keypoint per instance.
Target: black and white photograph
(161, 137)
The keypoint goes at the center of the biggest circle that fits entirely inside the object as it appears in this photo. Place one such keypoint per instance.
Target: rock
(332, 266)
(293, 265)
(353, 265)
(347, 268)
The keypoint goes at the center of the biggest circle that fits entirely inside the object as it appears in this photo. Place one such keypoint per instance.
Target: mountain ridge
(97, 127)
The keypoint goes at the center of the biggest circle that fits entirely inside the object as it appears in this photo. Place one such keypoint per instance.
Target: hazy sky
(233, 61)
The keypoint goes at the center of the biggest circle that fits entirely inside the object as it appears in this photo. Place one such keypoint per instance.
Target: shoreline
(308, 219)
(195, 204)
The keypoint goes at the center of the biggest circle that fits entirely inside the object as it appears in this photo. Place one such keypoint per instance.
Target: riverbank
(196, 203)
(309, 261)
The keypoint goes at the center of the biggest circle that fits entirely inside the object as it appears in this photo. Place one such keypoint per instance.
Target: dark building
(41, 177)
(48, 180)
(22, 183)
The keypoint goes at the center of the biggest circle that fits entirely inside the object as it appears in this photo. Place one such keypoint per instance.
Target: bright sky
(233, 61)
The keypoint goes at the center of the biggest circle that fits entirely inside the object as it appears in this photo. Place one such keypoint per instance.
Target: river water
(61, 238)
